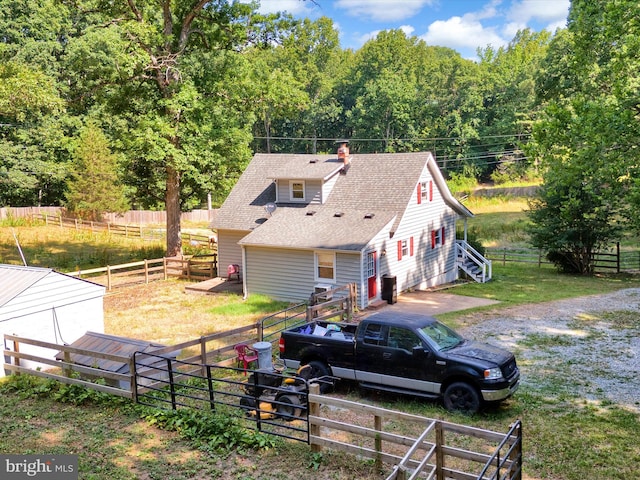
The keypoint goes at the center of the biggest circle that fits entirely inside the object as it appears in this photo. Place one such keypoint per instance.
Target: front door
(372, 277)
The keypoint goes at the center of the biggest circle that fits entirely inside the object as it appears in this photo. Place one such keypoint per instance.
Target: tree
(163, 76)
(33, 153)
(588, 135)
(95, 187)
(30, 135)
(509, 100)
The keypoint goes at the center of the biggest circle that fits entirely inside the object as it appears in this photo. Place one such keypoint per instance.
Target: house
(297, 224)
(42, 304)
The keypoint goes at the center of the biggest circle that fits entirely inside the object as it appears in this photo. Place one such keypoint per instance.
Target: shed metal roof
(15, 279)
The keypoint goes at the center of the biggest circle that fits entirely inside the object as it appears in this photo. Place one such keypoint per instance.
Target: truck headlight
(493, 374)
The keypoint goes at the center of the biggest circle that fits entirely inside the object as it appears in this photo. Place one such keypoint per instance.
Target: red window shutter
(430, 190)
(442, 235)
(419, 191)
(399, 249)
(411, 246)
(433, 239)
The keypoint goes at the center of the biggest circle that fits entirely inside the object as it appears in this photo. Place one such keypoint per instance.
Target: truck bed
(335, 331)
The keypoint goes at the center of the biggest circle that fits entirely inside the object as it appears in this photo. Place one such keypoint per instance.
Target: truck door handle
(386, 355)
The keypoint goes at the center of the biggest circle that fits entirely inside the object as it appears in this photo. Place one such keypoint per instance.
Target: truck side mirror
(420, 351)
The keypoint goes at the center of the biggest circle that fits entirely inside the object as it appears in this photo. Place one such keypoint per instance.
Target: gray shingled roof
(325, 228)
(304, 167)
(381, 183)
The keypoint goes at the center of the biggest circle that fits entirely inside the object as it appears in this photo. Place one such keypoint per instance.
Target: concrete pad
(432, 303)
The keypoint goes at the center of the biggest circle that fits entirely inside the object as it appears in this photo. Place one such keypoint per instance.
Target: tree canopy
(184, 91)
(587, 136)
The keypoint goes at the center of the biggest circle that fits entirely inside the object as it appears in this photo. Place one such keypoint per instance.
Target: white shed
(42, 304)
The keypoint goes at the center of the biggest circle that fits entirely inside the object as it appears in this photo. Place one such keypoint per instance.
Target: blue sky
(462, 25)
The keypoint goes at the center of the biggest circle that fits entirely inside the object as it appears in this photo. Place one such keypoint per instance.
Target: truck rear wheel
(318, 370)
(461, 397)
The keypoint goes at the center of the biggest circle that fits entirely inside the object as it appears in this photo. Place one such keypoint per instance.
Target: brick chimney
(343, 151)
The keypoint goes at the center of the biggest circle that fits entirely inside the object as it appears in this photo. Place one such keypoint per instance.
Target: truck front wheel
(461, 397)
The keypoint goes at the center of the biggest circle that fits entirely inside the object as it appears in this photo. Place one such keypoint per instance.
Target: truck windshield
(440, 336)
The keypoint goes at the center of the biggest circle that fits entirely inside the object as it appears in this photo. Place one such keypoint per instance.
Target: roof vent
(310, 213)
(338, 214)
(313, 160)
(369, 215)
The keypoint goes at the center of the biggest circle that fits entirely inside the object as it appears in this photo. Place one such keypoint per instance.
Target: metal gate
(267, 401)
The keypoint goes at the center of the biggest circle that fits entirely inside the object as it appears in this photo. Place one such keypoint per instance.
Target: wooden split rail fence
(434, 450)
(190, 268)
(616, 260)
(126, 230)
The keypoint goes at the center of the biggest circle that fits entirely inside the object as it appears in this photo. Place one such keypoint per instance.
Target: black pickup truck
(405, 353)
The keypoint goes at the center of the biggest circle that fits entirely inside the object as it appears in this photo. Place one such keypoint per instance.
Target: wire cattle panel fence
(267, 401)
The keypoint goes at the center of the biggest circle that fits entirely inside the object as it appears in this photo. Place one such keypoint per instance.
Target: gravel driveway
(586, 347)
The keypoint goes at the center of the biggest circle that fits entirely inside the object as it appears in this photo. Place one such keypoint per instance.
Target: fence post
(133, 382)
(210, 385)
(618, 257)
(146, 271)
(164, 265)
(108, 277)
(16, 360)
(377, 425)
(67, 370)
(203, 354)
(314, 410)
(172, 386)
(439, 451)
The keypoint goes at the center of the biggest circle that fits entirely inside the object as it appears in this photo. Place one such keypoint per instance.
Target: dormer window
(296, 190)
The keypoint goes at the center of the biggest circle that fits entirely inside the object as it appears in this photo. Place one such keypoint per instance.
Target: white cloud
(294, 7)
(464, 32)
(543, 11)
(382, 10)
(407, 29)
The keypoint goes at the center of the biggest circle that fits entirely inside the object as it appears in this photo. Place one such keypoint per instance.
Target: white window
(405, 248)
(325, 266)
(296, 190)
(424, 191)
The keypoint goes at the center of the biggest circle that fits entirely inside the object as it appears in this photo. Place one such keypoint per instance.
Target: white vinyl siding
(427, 266)
(229, 252)
(288, 274)
(313, 191)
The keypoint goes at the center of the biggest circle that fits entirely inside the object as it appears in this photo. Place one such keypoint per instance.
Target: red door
(372, 278)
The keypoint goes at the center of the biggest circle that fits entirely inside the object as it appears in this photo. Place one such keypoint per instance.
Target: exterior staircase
(470, 261)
